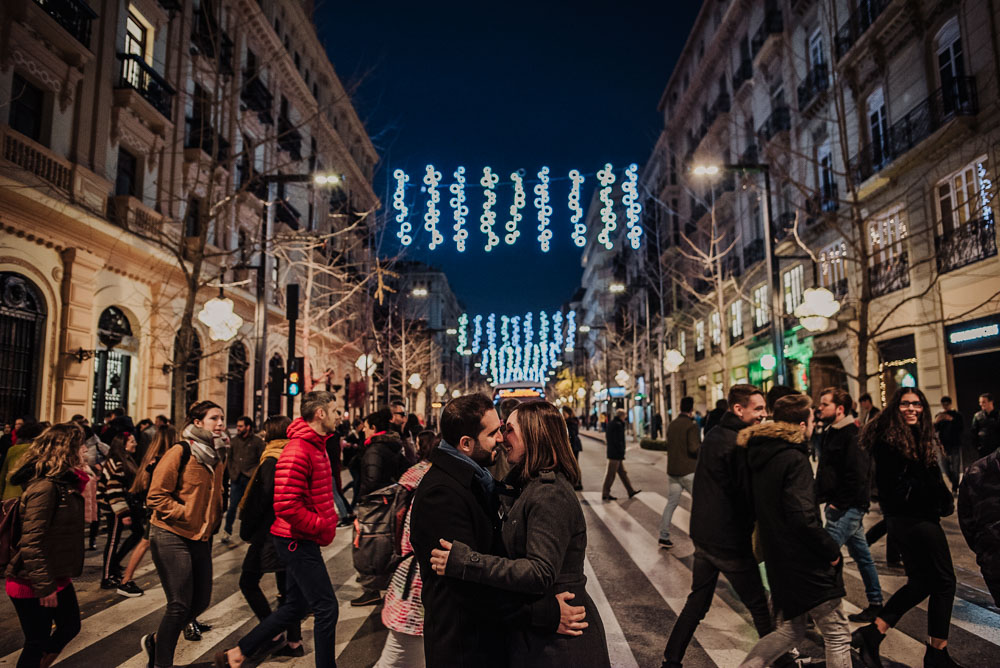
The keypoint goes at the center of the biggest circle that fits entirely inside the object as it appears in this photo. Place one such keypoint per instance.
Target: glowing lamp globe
(440, 389)
(455, 394)
(673, 360)
(415, 380)
(817, 307)
(217, 314)
(581, 392)
(365, 364)
(621, 377)
(768, 362)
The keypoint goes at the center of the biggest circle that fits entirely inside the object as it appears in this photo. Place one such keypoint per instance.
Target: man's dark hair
(463, 416)
(839, 397)
(163, 418)
(687, 404)
(793, 408)
(398, 403)
(247, 420)
(143, 423)
(313, 401)
(29, 431)
(77, 418)
(988, 396)
(507, 406)
(381, 419)
(777, 392)
(722, 405)
(740, 394)
(865, 397)
(946, 400)
(118, 411)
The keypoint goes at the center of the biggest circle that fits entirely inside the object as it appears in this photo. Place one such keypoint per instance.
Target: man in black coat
(986, 426)
(802, 559)
(715, 415)
(843, 484)
(979, 517)
(722, 524)
(457, 500)
(615, 438)
(950, 426)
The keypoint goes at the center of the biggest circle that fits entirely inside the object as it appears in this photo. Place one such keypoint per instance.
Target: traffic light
(294, 378)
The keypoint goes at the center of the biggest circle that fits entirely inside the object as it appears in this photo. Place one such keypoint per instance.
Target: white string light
(570, 331)
(544, 210)
(478, 335)
(399, 204)
(579, 228)
(515, 209)
(460, 209)
(630, 200)
(607, 178)
(463, 333)
(489, 217)
(432, 178)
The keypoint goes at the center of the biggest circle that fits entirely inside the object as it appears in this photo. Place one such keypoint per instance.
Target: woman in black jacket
(545, 535)
(914, 497)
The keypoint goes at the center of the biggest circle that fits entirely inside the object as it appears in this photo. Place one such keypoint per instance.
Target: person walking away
(615, 438)
(186, 499)
(545, 538)
(722, 519)
(403, 612)
(256, 510)
(26, 434)
(914, 497)
(986, 426)
(683, 442)
(246, 448)
(979, 517)
(950, 428)
(803, 562)
(573, 429)
(119, 507)
(657, 425)
(714, 415)
(304, 522)
(843, 484)
(866, 409)
(49, 553)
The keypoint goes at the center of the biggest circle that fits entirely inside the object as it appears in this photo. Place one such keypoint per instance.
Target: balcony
(289, 138)
(958, 98)
(285, 213)
(857, 24)
(143, 79)
(199, 134)
(753, 253)
(37, 160)
(75, 16)
(779, 121)
(257, 97)
(783, 225)
(130, 214)
(890, 276)
(816, 83)
(826, 200)
(211, 42)
(974, 241)
(772, 25)
(742, 74)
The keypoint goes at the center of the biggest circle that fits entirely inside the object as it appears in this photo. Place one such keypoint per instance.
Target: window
(792, 280)
(949, 56)
(886, 235)
(816, 48)
(716, 322)
(682, 342)
(135, 35)
(736, 319)
(26, 108)
(251, 68)
(878, 128)
(832, 270)
(699, 336)
(760, 309)
(965, 196)
(192, 218)
(125, 179)
(825, 160)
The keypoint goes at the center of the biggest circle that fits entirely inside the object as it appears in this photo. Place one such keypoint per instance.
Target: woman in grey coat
(545, 534)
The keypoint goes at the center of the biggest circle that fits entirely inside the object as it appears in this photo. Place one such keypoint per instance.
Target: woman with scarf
(256, 518)
(185, 497)
(50, 550)
(120, 508)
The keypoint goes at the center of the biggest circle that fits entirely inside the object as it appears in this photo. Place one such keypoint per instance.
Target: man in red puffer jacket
(305, 521)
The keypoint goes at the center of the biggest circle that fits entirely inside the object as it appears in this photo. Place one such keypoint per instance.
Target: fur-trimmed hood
(783, 431)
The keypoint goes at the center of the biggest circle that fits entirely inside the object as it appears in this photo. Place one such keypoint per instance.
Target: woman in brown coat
(50, 550)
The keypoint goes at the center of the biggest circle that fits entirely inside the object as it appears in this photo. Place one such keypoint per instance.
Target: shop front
(798, 354)
(897, 365)
(974, 353)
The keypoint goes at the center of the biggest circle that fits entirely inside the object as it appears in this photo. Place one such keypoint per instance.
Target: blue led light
(431, 179)
(489, 218)
(478, 335)
(579, 228)
(399, 204)
(544, 209)
(457, 202)
(463, 333)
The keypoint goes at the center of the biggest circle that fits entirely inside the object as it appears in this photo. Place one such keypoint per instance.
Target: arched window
(275, 385)
(112, 365)
(236, 382)
(191, 369)
(22, 332)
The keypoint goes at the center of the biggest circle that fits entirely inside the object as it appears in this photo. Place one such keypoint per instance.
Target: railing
(73, 15)
(974, 241)
(780, 120)
(257, 97)
(958, 98)
(142, 78)
(289, 138)
(772, 25)
(742, 74)
(889, 276)
(753, 253)
(204, 33)
(200, 134)
(817, 81)
(857, 23)
(287, 214)
(36, 159)
(129, 213)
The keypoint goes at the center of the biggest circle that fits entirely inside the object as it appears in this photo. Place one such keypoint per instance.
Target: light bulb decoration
(515, 340)
(570, 331)
(544, 209)
(432, 178)
(459, 208)
(579, 228)
(609, 218)
(630, 200)
(477, 335)
(488, 220)
(402, 211)
(558, 343)
(520, 200)
(528, 334)
(463, 333)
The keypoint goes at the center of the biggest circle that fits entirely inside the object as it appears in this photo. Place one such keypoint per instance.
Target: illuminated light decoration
(608, 216)
(528, 334)
(558, 343)
(463, 332)
(515, 340)
(768, 361)
(672, 360)
(457, 202)
(431, 179)
(520, 199)
(489, 218)
(403, 212)
(478, 333)
(630, 199)
(544, 209)
(579, 228)
(217, 314)
(570, 331)
(985, 192)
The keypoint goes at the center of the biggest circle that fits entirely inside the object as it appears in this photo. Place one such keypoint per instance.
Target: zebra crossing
(638, 588)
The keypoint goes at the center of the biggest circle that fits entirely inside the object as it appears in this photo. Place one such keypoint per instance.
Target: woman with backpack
(50, 550)
(256, 518)
(185, 496)
(119, 507)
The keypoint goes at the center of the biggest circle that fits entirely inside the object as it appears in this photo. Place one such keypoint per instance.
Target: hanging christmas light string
(523, 353)
(515, 209)
(606, 178)
(630, 200)
(570, 331)
(478, 334)
(544, 210)
(489, 218)
(457, 189)
(463, 333)
(528, 336)
(579, 228)
(403, 212)
(432, 178)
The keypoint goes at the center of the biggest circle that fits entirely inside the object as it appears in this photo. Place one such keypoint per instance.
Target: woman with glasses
(914, 498)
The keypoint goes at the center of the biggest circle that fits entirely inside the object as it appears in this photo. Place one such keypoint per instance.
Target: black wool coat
(843, 473)
(797, 549)
(615, 438)
(382, 462)
(979, 512)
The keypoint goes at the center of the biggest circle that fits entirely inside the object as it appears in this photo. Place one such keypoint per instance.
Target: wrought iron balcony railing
(286, 213)
(780, 120)
(889, 276)
(73, 15)
(200, 134)
(957, 98)
(257, 97)
(839, 288)
(142, 78)
(857, 23)
(742, 74)
(974, 241)
(772, 25)
(817, 81)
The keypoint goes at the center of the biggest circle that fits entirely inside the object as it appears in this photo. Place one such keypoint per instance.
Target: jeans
(951, 466)
(677, 483)
(250, 587)
(117, 547)
(185, 569)
(929, 574)
(846, 528)
(341, 504)
(742, 573)
(616, 467)
(237, 487)
(308, 589)
(831, 622)
(37, 621)
(402, 651)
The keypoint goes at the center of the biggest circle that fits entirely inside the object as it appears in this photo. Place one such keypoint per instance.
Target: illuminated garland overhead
(522, 353)
(432, 178)
(579, 228)
(399, 204)
(489, 217)
(463, 333)
(544, 210)
(515, 209)
(608, 216)
(460, 209)
(630, 200)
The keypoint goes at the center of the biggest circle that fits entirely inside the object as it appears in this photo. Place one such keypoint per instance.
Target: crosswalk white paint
(621, 653)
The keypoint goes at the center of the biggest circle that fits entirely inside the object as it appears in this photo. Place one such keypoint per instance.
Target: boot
(47, 659)
(939, 658)
(867, 640)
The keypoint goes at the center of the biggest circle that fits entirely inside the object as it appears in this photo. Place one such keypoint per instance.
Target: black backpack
(379, 518)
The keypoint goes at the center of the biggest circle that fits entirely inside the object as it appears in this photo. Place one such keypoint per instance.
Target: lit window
(886, 236)
(716, 328)
(792, 282)
(831, 262)
(760, 310)
(965, 195)
(699, 336)
(736, 319)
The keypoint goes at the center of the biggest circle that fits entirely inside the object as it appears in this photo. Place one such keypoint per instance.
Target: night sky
(511, 85)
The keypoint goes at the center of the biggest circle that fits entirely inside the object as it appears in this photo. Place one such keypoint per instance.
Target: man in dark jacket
(950, 426)
(615, 438)
(979, 517)
(986, 426)
(721, 525)
(715, 415)
(246, 448)
(457, 501)
(843, 484)
(802, 559)
(683, 441)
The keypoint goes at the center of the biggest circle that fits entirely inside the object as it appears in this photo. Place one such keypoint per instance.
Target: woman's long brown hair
(546, 441)
(918, 443)
(166, 435)
(56, 450)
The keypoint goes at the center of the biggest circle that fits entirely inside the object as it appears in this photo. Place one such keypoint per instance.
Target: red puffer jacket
(303, 488)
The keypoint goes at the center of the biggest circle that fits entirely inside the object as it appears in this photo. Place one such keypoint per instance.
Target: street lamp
(451, 331)
(327, 179)
(455, 394)
(616, 288)
(584, 329)
(817, 307)
(365, 364)
(419, 292)
(217, 314)
(440, 389)
(415, 381)
(672, 360)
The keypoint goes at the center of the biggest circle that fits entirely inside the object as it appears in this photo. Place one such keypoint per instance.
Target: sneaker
(939, 658)
(288, 650)
(867, 640)
(666, 543)
(129, 589)
(110, 583)
(867, 615)
(367, 598)
(192, 633)
(148, 645)
(633, 493)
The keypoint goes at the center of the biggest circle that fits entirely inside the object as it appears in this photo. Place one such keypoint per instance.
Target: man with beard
(457, 500)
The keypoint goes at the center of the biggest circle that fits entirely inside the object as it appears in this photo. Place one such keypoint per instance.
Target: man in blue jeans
(842, 482)
(683, 441)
